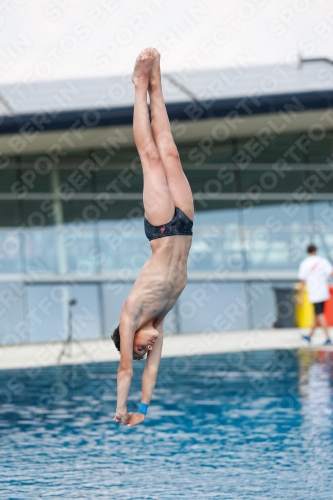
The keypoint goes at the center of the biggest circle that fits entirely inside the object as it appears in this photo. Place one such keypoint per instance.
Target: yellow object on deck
(305, 312)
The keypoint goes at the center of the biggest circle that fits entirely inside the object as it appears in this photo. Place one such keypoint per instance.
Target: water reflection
(316, 377)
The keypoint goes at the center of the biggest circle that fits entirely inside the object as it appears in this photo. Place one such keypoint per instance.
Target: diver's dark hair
(311, 248)
(116, 338)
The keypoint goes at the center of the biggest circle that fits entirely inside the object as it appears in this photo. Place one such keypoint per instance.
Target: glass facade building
(71, 226)
(256, 145)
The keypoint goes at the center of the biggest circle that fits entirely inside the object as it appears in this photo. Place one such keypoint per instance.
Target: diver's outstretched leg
(157, 199)
(178, 183)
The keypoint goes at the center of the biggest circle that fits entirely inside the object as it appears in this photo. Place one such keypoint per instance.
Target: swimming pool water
(256, 425)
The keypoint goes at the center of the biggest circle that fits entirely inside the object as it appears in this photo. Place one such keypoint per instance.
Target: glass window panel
(276, 251)
(8, 178)
(261, 299)
(38, 213)
(324, 244)
(274, 216)
(103, 210)
(81, 211)
(117, 244)
(62, 249)
(212, 307)
(80, 248)
(34, 173)
(50, 321)
(219, 153)
(11, 314)
(269, 181)
(9, 213)
(318, 181)
(123, 245)
(320, 150)
(277, 148)
(121, 210)
(8, 162)
(274, 236)
(10, 251)
(86, 311)
(73, 160)
(72, 247)
(216, 244)
(100, 159)
(120, 156)
(67, 248)
(207, 206)
(321, 227)
(76, 180)
(211, 181)
(322, 215)
(262, 302)
(41, 250)
(205, 152)
(219, 212)
(39, 184)
(118, 180)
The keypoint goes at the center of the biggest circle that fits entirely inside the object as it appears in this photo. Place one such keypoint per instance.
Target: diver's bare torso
(160, 282)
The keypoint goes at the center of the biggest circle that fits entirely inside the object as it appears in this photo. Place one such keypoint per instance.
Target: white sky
(60, 39)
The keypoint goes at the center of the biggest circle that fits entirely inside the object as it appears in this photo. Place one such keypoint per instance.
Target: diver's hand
(136, 419)
(122, 417)
(299, 300)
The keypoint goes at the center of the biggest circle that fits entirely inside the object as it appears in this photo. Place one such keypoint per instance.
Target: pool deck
(94, 351)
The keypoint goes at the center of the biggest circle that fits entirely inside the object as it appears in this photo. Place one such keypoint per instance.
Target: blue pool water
(255, 425)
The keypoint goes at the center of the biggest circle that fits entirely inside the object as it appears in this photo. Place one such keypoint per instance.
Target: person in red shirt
(314, 272)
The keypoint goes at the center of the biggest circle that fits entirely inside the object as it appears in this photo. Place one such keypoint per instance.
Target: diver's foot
(155, 76)
(142, 68)
(328, 342)
(306, 337)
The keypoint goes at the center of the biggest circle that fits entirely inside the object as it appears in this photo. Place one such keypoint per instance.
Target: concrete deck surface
(91, 351)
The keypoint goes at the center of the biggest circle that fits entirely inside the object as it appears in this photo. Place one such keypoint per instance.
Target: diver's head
(144, 340)
(116, 338)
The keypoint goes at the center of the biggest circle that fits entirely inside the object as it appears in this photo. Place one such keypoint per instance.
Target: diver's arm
(151, 369)
(149, 375)
(125, 371)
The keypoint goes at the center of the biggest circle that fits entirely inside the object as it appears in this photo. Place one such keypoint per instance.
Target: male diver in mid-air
(169, 213)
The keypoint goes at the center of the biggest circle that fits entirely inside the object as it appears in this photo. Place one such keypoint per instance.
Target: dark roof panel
(265, 89)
